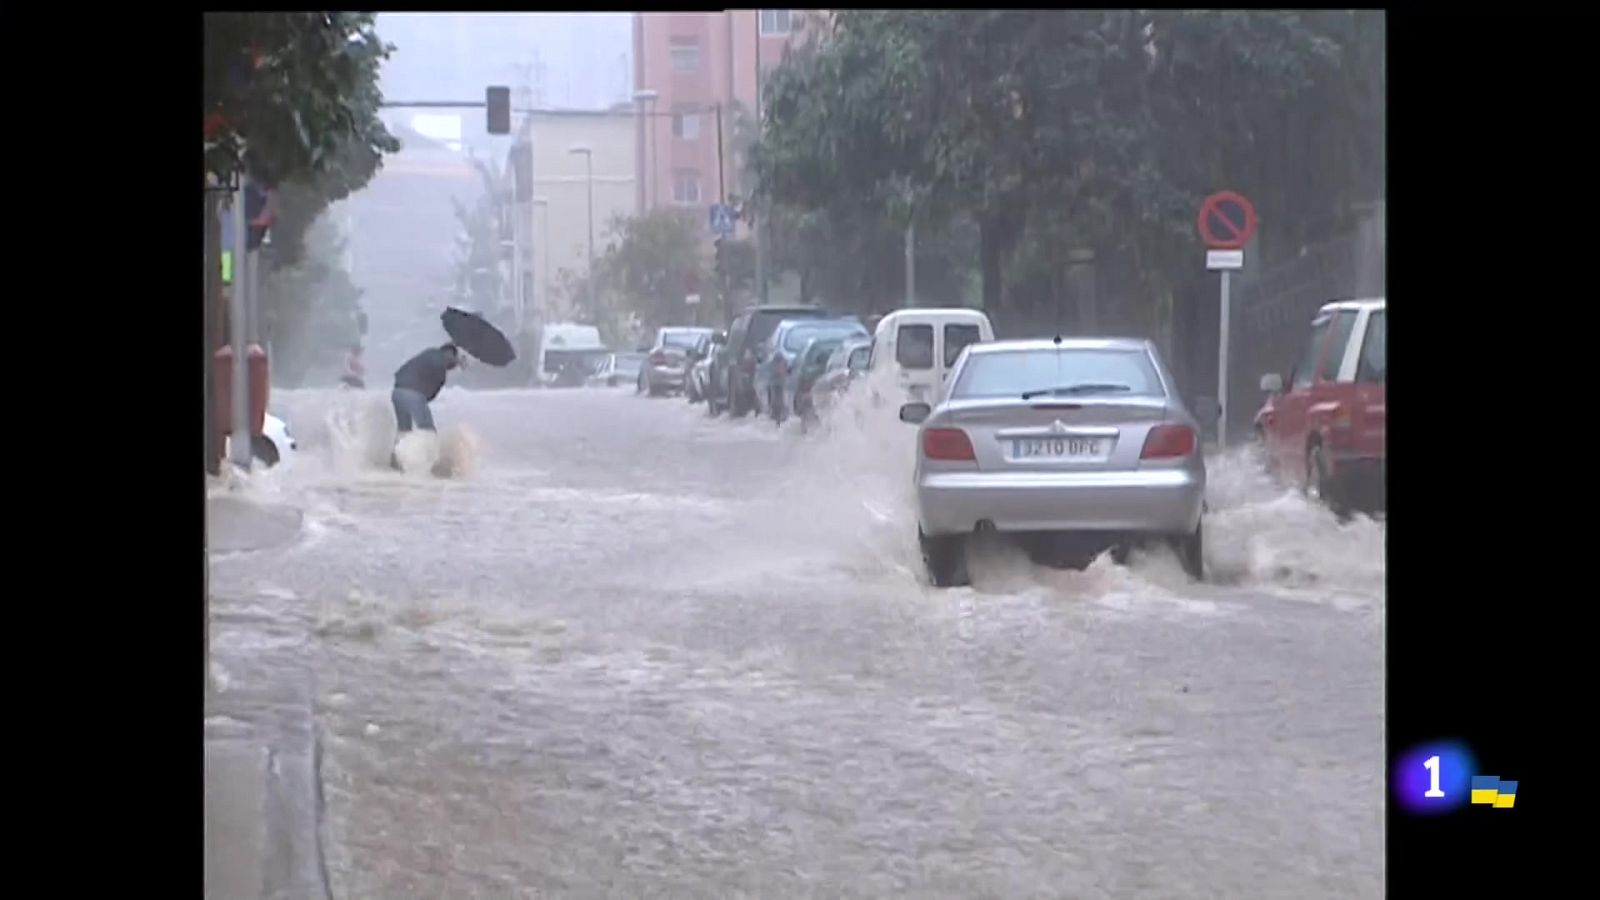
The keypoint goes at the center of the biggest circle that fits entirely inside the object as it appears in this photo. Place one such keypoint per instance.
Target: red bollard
(256, 360)
(259, 383)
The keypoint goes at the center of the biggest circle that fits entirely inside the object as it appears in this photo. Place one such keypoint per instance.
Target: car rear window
(1011, 373)
(763, 324)
(956, 339)
(796, 339)
(859, 358)
(913, 347)
(683, 339)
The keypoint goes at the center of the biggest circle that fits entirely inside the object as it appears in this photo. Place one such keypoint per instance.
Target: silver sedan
(1072, 446)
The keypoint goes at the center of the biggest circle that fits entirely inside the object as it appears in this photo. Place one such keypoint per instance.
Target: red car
(1325, 429)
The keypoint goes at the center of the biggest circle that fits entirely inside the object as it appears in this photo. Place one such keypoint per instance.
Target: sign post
(721, 219)
(1227, 222)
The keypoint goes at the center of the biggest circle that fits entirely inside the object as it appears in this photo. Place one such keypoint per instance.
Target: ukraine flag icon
(1489, 790)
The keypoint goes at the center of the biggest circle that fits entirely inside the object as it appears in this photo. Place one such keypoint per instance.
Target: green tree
(1053, 133)
(649, 265)
(291, 100)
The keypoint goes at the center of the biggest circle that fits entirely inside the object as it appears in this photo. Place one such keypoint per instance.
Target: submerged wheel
(1190, 549)
(945, 557)
(1319, 484)
(262, 448)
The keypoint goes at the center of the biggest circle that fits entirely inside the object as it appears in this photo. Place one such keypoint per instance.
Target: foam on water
(850, 483)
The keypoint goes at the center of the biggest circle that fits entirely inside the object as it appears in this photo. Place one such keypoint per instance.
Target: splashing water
(851, 480)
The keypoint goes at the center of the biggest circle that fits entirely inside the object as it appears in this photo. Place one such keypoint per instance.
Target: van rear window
(956, 339)
(913, 347)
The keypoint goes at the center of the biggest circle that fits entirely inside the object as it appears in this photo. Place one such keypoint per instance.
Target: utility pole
(238, 311)
(761, 249)
(722, 183)
(911, 265)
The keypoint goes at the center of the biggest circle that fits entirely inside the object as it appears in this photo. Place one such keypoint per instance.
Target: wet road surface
(634, 652)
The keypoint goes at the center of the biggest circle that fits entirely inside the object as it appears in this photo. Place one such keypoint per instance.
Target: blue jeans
(411, 410)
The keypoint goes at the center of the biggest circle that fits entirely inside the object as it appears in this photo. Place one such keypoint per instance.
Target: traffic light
(499, 103)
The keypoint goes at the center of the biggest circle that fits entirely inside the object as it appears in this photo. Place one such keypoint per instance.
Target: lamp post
(588, 169)
(542, 296)
(647, 99)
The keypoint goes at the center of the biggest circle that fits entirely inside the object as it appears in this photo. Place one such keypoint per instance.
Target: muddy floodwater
(625, 650)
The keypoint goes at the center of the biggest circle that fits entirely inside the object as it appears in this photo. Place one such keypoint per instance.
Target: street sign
(692, 299)
(1227, 221)
(1224, 259)
(721, 219)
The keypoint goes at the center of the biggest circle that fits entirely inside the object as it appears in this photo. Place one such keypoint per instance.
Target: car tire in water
(262, 448)
(737, 409)
(945, 558)
(1320, 486)
(1191, 551)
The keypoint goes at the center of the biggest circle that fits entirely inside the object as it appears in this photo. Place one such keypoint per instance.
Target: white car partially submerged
(273, 445)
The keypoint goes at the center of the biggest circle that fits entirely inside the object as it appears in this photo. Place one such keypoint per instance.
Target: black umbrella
(473, 333)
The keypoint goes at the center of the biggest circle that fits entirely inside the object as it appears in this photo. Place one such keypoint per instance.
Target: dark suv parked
(733, 385)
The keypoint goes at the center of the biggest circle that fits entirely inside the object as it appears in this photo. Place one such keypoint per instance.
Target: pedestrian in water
(419, 381)
(355, 368)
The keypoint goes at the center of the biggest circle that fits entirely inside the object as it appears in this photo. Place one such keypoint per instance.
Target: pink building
(696, 63)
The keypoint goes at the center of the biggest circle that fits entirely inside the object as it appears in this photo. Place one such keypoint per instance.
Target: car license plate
(1057, 448)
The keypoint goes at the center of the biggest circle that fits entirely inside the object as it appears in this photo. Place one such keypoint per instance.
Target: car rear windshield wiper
(1089, 387)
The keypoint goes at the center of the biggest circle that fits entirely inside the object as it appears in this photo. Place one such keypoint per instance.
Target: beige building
(562, 177)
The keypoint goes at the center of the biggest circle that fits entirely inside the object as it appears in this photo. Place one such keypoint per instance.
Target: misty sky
(585, 57)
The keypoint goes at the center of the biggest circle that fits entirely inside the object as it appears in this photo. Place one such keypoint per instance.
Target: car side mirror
(915, 413)
(1272, 383)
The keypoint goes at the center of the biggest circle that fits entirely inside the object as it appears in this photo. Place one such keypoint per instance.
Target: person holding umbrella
(418, 382)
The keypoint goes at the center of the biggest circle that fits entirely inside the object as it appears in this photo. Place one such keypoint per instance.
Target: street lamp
(588, 168)
(542, 299)
(647, 99)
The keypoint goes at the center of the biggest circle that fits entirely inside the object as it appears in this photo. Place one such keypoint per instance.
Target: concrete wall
(559, 175)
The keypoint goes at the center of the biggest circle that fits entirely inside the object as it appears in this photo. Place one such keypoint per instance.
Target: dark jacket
(424, 373)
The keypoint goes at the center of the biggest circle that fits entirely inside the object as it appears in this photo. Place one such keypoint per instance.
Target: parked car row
(1069, 446)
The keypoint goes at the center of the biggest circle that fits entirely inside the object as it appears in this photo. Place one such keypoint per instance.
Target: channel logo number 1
(1432, 765)
(1434, 778)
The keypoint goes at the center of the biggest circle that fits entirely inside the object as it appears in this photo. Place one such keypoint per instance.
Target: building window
(686, 123)
(685, 55)
(686, 188)
(776, 21)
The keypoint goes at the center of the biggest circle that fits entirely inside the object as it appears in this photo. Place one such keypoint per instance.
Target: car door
(1332, 396)
(1371, 409)
(1285, 424)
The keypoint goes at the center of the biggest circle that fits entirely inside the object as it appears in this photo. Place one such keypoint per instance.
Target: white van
(569, 353)
(922, 344)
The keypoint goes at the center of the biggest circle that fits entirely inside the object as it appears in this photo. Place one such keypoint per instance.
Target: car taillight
(658, 359)
(1168, 442)
(1342, 418)
(950, 444)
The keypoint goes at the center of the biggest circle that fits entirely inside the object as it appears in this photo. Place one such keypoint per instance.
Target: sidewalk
(262, 757)
(235, 524)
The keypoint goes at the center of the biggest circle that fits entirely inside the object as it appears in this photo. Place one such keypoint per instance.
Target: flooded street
(630, 651)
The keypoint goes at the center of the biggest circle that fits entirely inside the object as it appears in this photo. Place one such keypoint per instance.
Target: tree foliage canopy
(294, 96)
(1058, 130)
